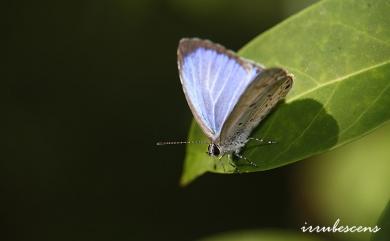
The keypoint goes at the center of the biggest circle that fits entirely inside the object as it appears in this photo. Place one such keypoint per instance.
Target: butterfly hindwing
(258, 99)
(213, 80)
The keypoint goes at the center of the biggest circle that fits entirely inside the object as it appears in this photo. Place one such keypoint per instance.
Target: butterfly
(227, 94)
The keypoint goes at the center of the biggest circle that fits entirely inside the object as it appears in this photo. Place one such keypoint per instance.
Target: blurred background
(89, 87)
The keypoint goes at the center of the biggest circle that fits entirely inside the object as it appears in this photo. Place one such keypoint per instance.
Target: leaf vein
(337, 80)
(365, 111)
(301, 72)
(361, 32)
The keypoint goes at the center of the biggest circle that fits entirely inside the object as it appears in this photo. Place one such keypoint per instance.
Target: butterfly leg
(233, 164)
(246, 159)
(220, 161)
(223, 166)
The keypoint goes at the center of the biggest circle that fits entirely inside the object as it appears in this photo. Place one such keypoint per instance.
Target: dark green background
(87, 88)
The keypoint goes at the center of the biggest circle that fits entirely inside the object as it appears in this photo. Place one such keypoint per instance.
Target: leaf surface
(339, 53)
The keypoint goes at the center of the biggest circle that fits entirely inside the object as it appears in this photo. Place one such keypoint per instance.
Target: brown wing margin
(189, 45)
(256, 102)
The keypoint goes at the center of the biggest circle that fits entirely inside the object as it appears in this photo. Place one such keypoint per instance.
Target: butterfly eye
(213, 150)
(216, 151)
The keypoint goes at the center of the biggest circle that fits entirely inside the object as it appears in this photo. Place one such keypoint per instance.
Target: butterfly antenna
(162, 143)
(262, 141)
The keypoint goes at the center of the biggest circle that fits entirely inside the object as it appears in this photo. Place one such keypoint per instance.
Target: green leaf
(384, 224)
(339, 53)
(268, 235)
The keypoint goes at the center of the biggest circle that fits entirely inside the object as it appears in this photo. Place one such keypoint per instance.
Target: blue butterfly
(228, 95)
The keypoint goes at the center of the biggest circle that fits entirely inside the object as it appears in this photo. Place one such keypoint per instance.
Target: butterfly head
(214, 150)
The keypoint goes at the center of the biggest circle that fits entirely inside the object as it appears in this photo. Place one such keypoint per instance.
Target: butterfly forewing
(258, 99)
(213, 80)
